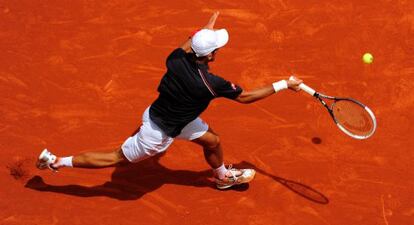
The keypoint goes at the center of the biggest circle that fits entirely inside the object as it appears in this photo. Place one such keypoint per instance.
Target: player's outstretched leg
(85, 160)
(145, 142)
(213, 153)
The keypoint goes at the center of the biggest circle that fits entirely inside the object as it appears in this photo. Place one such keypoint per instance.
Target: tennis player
(185, 91)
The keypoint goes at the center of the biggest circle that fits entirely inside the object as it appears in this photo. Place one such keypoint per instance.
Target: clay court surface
(76, 76)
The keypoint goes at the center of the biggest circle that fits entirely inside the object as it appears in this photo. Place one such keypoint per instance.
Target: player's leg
(198, 132)
(98, 159)
(83, 160)
(213, 153)
(148, 141)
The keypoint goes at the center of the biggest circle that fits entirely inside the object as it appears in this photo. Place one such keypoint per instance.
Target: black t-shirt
(185, 91)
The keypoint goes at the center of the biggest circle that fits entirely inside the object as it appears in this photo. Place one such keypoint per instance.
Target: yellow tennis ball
(367, 58)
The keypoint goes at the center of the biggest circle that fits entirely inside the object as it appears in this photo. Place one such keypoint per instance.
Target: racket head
(354, 118)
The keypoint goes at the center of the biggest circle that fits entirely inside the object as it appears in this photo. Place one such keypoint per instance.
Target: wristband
(280, 85)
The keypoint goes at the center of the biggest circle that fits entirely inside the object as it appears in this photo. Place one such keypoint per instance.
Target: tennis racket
(351, 116)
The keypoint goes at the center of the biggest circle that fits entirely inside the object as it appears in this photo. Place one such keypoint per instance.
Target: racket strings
(353, 117)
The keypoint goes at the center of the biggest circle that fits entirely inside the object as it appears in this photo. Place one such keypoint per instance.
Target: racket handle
(307, 89)
(304, 87)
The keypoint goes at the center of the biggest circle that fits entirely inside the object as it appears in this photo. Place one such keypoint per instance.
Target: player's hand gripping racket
(351, 116)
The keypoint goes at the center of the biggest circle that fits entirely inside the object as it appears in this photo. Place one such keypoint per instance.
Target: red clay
(76, 76)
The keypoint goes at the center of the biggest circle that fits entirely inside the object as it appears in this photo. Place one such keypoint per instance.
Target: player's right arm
(247, 97)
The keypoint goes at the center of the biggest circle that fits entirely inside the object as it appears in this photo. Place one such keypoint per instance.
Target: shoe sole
(39, 164)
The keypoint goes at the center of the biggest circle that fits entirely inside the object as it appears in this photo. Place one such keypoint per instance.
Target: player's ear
(210, 56)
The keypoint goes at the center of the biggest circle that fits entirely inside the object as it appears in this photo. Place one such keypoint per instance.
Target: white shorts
(151, 140)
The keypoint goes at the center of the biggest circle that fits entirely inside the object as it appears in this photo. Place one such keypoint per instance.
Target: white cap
(205, 41)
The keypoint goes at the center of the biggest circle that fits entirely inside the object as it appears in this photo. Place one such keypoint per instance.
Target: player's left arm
(247, 97)
(186, 46)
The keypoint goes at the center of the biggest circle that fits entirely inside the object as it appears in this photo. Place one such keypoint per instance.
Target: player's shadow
(132, 181)
(302, 190)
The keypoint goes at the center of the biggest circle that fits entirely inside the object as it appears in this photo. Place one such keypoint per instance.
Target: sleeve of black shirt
(224, 88)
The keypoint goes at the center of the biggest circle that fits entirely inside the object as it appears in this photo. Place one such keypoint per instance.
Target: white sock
(221, 171)
(64, 162)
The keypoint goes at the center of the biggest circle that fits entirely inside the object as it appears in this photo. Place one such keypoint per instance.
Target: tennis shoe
(235, 177)
(46, 160)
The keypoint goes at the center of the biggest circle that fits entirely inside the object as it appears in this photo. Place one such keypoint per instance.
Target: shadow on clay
(301, 189)
(132, 181)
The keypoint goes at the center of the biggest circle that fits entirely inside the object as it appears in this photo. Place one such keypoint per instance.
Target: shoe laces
(233, 172)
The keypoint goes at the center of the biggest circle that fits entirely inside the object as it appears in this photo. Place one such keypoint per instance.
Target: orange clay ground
(76, 76)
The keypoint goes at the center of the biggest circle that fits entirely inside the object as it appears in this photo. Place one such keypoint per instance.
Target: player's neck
(202, 61)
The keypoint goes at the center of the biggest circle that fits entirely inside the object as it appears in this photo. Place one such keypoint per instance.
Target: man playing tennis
(185, 91)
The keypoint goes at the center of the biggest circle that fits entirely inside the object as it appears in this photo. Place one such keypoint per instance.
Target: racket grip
(304, 87)
(307, 89)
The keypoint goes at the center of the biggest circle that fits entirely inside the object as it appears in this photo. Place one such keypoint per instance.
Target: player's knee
(213, 142)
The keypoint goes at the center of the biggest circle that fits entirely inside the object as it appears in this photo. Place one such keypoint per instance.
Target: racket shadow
(303, 190)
